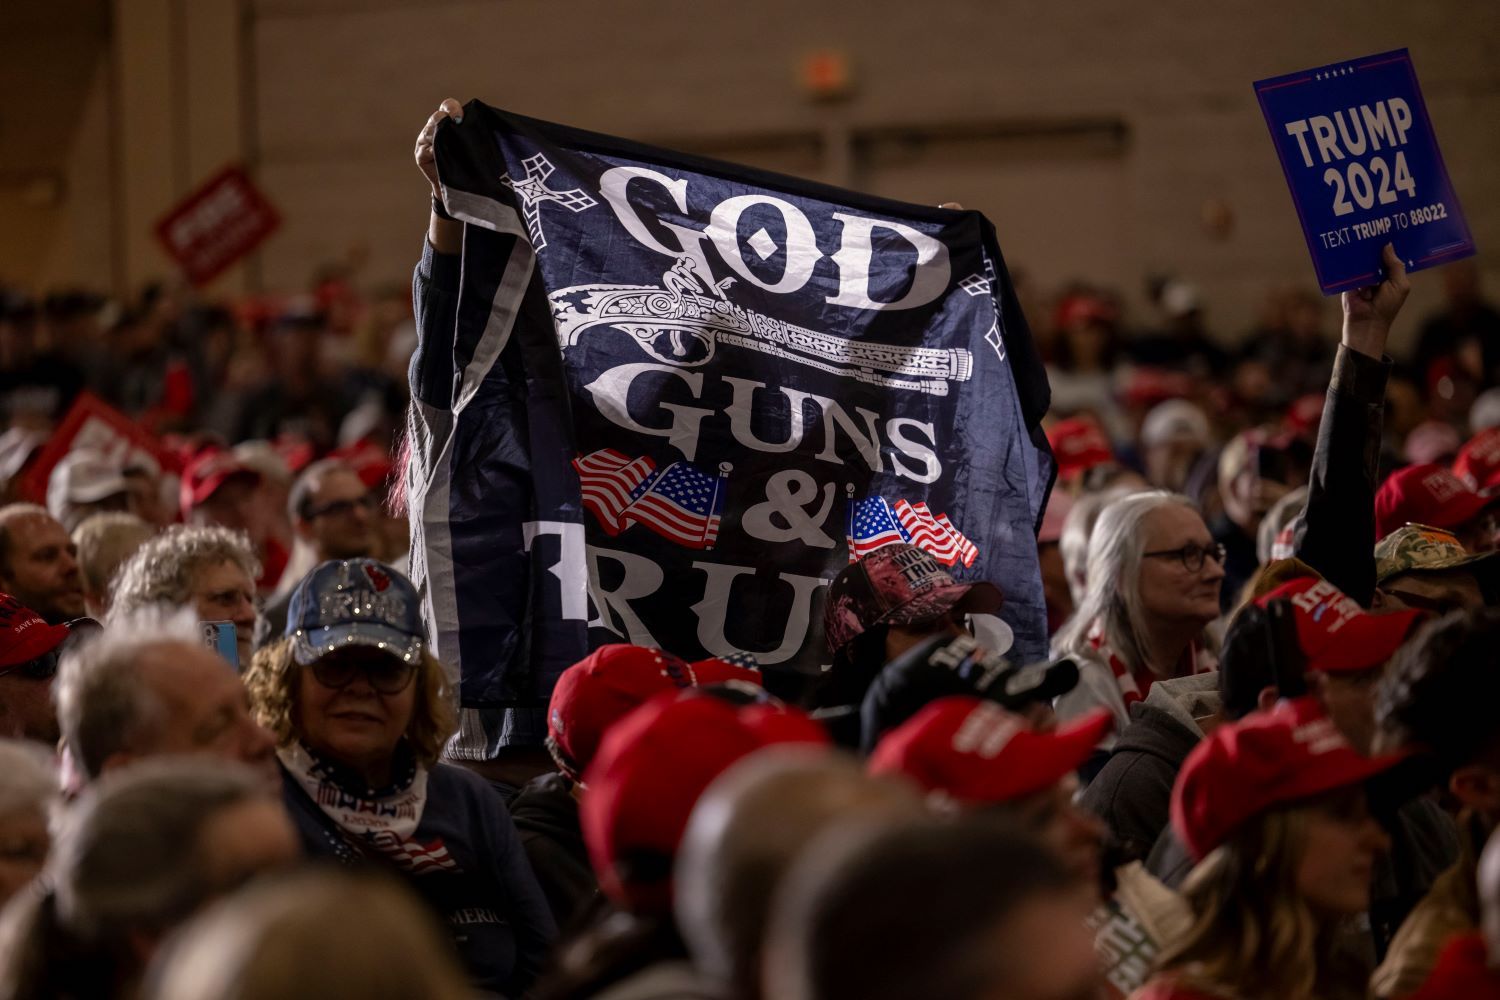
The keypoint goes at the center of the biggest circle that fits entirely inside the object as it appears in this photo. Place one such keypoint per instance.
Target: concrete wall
(1095, 134)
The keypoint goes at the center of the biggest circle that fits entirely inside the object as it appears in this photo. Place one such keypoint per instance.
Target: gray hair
(1073, 544)
(104, 542)
(128, 855)
(308, 481)
(1112, 598)
(161, 571)
(103, 705)
(28, 779)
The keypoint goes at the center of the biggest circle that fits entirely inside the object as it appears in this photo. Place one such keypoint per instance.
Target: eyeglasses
(39, 669)
(341, 508)
(1192, 555)
(384, 673)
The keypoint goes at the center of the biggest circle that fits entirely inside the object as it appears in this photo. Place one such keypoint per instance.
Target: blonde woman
(1274, 809)
(360, 711)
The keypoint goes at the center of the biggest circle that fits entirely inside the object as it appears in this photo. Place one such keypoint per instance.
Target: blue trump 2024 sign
(1363, 164)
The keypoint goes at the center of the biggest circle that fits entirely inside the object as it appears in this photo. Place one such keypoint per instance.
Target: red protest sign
(94, 424)
(218, 224)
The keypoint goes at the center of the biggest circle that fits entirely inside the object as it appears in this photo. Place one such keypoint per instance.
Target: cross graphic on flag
(680, 503)
(533, 190)
(875, 522)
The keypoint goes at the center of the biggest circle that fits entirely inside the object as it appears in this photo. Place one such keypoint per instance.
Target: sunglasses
(39, 669)
(385, 674)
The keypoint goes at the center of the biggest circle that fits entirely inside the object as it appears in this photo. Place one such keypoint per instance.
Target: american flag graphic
(610, 481)
(872, 524)
(682, 505)
(875, 521)
(414, 856)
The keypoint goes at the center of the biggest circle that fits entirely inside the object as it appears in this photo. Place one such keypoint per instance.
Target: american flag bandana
(382, 825)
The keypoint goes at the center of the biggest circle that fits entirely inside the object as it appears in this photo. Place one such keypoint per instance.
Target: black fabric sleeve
(434, 293)
(1336, 533)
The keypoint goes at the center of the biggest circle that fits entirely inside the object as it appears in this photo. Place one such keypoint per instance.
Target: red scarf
(1136, 684)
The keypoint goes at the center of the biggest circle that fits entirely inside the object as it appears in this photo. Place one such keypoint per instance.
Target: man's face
(1073, 834)
(235, 505)
(1349, 698)
(223, 591)
(207, 710)
(42, 571)
(340, 517)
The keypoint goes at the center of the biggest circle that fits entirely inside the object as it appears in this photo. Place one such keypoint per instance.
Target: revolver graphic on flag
(683, 321)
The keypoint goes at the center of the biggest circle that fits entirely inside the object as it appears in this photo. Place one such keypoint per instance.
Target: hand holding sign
(1360, 156)
(1370, 311)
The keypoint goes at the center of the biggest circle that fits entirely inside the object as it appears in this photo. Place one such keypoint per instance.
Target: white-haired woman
(1154, 573)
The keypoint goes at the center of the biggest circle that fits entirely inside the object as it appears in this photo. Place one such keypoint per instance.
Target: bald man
(39, 563)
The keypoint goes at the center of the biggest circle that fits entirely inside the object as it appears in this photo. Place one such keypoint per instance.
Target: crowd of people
(1264, 761)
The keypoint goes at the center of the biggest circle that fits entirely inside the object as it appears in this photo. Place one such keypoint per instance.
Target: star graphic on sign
(533, 192)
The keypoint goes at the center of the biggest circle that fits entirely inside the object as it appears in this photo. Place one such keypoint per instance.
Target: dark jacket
(1336, 533)
(546, 816)
(487, 897)
(1133, 790)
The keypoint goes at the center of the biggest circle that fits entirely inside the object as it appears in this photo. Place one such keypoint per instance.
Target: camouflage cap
(1419, 548)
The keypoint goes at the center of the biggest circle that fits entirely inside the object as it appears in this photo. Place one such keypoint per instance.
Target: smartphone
(222, 639)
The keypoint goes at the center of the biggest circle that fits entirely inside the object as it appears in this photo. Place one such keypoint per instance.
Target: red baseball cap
(1425, 494)
(611, 682)
(1267, 759)
(1084, 308)
(1079, 445)
(1335, 633)
(206, 473)
(649, 773)
(1478, 461)
(978, 753)
(24, 635)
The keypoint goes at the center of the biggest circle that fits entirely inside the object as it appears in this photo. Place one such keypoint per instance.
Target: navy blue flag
(682, 395)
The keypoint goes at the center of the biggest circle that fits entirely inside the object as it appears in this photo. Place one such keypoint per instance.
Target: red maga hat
(1337, 635)
(649, 773)
(1078, 445)
(206, 473)
(1478, 461)
(611, 682)
(24, 635)
(977, 753)
(1425, 494)
(1267, 759)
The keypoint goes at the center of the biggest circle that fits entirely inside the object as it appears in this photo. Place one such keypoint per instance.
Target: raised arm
(1336, 533)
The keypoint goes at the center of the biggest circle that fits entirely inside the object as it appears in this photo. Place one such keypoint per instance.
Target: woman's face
(1338, 856)
(1170, 592)
(351, 708)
